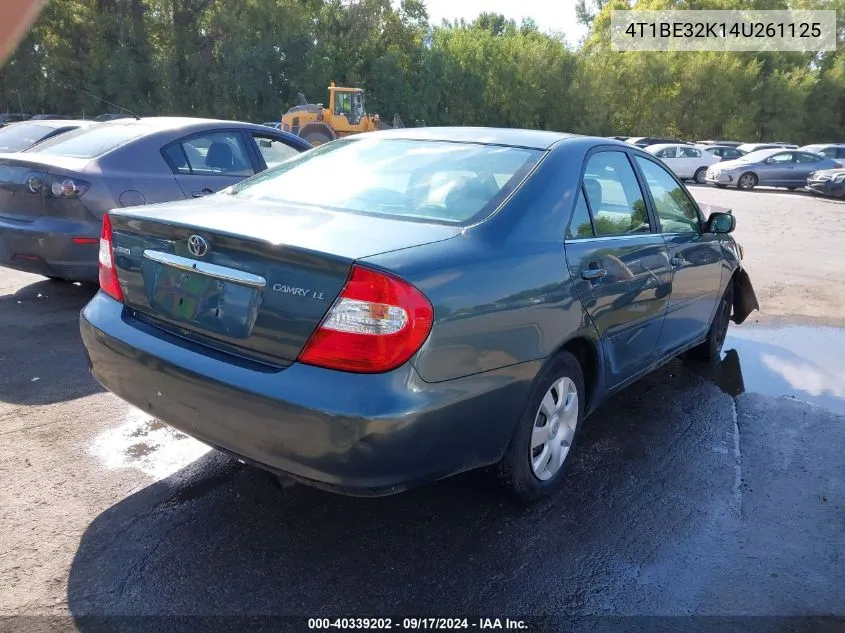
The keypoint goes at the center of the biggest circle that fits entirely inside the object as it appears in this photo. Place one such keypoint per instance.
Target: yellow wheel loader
(344, 115)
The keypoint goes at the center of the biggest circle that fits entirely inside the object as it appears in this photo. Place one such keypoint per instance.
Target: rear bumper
(351, 433)
(45, 246)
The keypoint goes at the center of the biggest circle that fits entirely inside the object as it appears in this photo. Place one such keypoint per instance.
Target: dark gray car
(769, 168)
(53, 196)
(460, 297)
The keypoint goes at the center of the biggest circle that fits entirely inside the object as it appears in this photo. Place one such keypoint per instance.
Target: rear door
(695, 257)
(210, 161)
(804, 164)
(619, 263)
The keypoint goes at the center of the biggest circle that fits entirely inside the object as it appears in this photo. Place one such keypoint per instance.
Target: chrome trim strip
(209, 270)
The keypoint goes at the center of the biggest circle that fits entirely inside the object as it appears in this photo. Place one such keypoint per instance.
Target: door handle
(204, 192)
(591, 274)
(677, 262)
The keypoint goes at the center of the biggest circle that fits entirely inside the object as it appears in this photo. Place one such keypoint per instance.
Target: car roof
(822, 145)
(534, 139)
(57, 123)
(659, 146)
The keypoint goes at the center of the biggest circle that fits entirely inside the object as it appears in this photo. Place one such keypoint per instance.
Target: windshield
(90, 142)
(760, 154)
(431, 180)
(22, 135)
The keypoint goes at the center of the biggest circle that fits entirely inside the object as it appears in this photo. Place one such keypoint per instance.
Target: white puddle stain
(146, 444)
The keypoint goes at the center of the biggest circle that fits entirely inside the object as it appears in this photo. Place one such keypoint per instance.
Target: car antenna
(114, 105)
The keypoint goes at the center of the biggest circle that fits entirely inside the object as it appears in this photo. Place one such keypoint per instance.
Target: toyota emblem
(197, 245)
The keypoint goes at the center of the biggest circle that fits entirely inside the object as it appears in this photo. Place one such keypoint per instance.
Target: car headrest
(220, 156)
(593, 189)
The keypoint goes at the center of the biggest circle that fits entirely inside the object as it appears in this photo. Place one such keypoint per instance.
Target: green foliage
(248, 59)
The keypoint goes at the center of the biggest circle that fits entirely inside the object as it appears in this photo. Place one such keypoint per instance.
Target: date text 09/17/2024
(417, 624)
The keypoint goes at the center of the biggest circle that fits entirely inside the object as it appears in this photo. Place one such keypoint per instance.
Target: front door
(619, 264)
(695, 257)
(778, 169)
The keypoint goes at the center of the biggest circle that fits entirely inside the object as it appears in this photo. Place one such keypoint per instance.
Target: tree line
(248, 59)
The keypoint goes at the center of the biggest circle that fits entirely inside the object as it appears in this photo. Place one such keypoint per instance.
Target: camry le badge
(197, 245)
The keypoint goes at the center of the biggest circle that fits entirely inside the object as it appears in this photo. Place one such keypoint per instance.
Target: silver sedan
(769, 168)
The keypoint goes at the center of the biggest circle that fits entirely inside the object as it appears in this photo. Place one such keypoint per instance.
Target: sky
(550, 15)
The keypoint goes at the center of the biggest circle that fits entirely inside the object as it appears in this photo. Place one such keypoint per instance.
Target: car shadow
(41, 357)
(220, 538)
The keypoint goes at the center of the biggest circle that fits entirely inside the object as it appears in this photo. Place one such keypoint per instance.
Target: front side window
(614, 195)
(780, 159)
(667, 152)
(428, 180)
(342, 103)
(690, 152)
(677, 213)
(274, 151)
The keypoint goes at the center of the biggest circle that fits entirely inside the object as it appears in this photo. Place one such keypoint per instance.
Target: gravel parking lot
(714, 490)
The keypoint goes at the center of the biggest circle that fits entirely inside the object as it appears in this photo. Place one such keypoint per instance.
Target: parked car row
(54, 194)
(772, 167)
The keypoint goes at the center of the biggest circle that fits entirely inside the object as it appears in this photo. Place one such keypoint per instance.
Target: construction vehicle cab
(344, 115)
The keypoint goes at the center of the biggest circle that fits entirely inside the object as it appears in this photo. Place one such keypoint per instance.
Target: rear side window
(441, 181)
(801, 157)
(90, 142)
(614, 195)
(210, 154)
(580, 225)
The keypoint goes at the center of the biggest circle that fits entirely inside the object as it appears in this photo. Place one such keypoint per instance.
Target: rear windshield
(22, 135)
(90, 142)
(427, 180)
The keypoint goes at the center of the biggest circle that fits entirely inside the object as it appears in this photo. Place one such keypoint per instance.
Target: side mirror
(721, 222)
(265, 143)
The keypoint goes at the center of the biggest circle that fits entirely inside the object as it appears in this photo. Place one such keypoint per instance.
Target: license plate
(205, 302)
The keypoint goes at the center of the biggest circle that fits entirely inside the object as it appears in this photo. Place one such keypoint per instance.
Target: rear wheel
(747, 181)
(700, 174)
(534, 464)
(711, 348)
(317, 137)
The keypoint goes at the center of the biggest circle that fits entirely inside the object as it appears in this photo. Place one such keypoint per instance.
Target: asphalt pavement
(701, 490)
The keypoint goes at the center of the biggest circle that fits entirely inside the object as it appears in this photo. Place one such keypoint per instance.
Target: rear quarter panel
(501, 290)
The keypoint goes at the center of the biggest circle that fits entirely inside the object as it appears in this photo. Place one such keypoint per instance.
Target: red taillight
(108, 275)
(377, 323)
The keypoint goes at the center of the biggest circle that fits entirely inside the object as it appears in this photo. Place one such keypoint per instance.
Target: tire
(699, 176)
(747, 181)
(317, 137)
(559, 389)
(711, 348)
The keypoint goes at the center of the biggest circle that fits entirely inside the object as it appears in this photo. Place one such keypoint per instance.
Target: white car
(687, 161)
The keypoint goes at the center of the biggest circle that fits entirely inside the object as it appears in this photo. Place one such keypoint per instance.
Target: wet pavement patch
(147, 444)
(796, 361)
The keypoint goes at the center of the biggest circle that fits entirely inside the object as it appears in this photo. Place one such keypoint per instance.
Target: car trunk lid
(20, 202)
(247, 277)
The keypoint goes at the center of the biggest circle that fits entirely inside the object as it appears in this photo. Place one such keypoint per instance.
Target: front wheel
(711, 348)
(700, 175)
(747, 181)
(542, 443)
